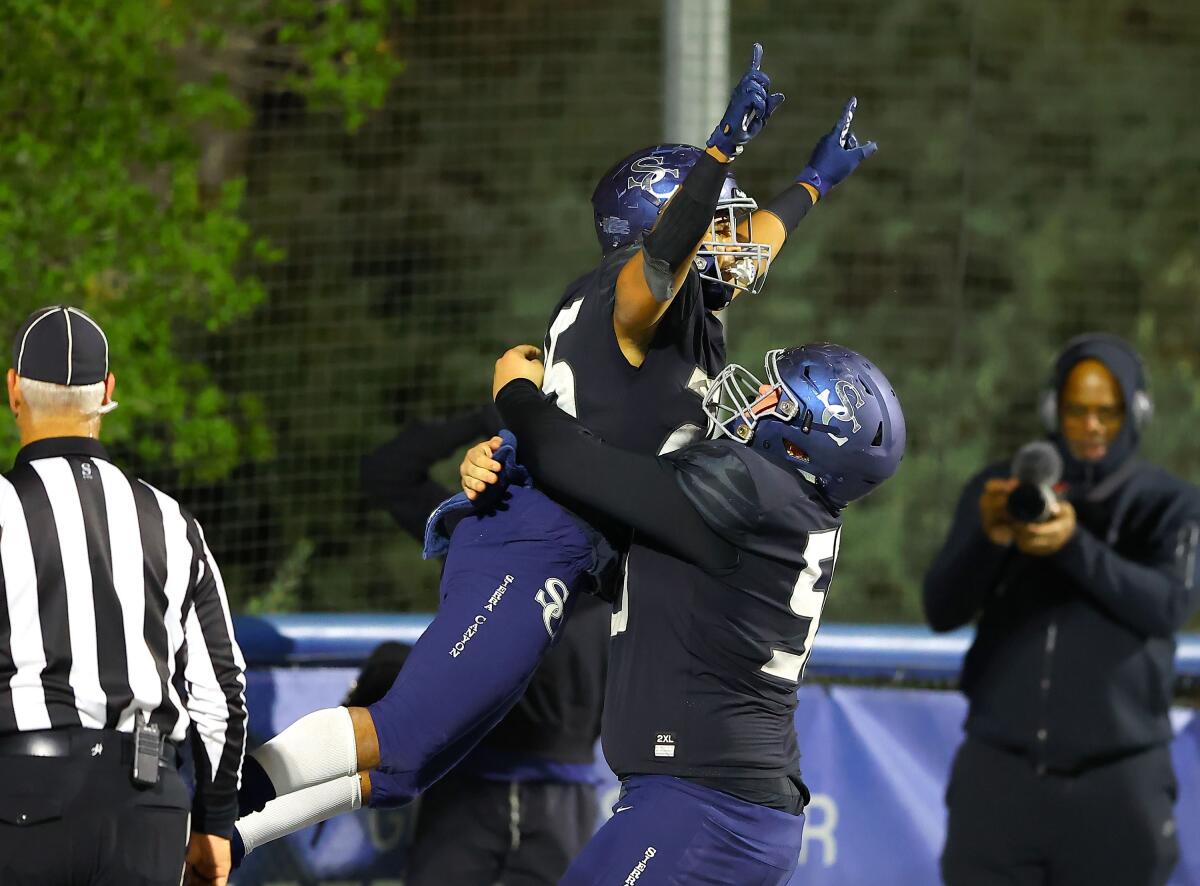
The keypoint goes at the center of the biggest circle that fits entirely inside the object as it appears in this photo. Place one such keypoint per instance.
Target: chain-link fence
(1037, 176)
(415, 250)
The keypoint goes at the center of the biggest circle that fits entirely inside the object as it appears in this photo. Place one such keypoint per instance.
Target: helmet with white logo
(826, 411)
(630, 196)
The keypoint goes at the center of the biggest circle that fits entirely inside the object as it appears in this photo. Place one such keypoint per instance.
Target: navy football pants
(510, 582)
(666, 830)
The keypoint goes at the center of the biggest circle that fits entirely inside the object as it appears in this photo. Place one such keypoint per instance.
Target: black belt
(79, 742)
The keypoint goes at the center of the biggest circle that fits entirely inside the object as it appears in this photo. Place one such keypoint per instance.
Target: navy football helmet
(630, 196)
(825, 411)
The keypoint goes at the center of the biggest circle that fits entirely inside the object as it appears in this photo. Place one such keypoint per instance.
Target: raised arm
(655, 274)
(834, 157)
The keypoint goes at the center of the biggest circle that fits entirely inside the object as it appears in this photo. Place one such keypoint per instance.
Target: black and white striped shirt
(111, 603)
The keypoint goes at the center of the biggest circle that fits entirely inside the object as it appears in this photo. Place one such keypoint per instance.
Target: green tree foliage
(441, 232)
(113, 196)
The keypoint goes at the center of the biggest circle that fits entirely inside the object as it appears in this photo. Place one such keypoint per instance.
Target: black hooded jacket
(1073, 659)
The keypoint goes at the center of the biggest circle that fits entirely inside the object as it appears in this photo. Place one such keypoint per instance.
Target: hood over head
(1126, 366)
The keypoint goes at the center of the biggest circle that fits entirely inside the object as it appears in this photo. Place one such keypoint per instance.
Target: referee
(115, 643)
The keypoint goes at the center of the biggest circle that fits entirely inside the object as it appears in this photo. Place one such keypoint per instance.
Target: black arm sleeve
(687, 216)
(638, 490)
(791, 206)
(966, 569)
(396, 475)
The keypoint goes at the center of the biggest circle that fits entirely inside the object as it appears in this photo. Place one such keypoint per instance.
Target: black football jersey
(704, 667)
(654, 408)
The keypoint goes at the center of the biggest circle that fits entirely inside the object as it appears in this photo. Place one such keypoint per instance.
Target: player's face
(1091, 410)
(733, 265)
(723, 234)
(768, 398)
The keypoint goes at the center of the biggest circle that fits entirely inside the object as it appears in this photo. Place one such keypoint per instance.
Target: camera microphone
(1037, 467)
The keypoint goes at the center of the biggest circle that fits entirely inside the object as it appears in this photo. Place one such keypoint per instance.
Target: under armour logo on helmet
(651, 171)
(851, 399)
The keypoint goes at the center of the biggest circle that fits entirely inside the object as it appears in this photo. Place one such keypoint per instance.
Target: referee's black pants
(79, 819)
(1112, 825)
(475, 832)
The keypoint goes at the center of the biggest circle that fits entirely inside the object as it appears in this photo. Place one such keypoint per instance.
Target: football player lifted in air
(648, 399)
(633, 344)
(736, 540)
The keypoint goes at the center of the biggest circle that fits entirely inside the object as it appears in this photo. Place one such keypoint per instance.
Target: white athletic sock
(316, 748)
(292, 812)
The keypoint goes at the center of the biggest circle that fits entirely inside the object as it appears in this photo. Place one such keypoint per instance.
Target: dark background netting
(416, 250)
(1037, 177)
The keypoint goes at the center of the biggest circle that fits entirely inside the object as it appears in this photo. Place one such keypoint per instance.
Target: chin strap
(807, 425)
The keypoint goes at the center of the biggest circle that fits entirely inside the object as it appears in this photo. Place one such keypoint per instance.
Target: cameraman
(1065, 774)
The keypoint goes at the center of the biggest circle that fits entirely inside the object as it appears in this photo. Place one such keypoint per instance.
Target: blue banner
(890, 652)
(877, 761)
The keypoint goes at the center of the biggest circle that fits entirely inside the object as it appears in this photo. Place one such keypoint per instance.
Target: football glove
(750, 106)
(836, 155)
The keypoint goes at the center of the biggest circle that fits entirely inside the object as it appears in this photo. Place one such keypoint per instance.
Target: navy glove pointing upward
(750, 106)
(836, 155)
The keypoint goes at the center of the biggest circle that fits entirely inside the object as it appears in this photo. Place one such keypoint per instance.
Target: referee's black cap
(61, 345)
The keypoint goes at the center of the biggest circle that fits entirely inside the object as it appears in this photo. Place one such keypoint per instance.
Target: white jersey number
(808, 599)
(560, 378)
(620, 616)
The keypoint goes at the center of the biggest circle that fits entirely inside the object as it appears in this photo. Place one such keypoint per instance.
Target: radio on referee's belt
(147, 750)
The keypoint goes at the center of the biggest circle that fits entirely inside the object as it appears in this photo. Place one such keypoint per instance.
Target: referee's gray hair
(47, 398)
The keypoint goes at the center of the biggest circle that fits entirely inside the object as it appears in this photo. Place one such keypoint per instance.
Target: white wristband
(299, 809)
(316, 748)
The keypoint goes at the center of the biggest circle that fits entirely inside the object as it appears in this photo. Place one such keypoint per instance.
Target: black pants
(80, 820)
(474, 832)
(1112, 825)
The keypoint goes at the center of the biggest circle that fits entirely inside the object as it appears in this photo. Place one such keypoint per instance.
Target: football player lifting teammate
(736, 540)
(644, 391)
